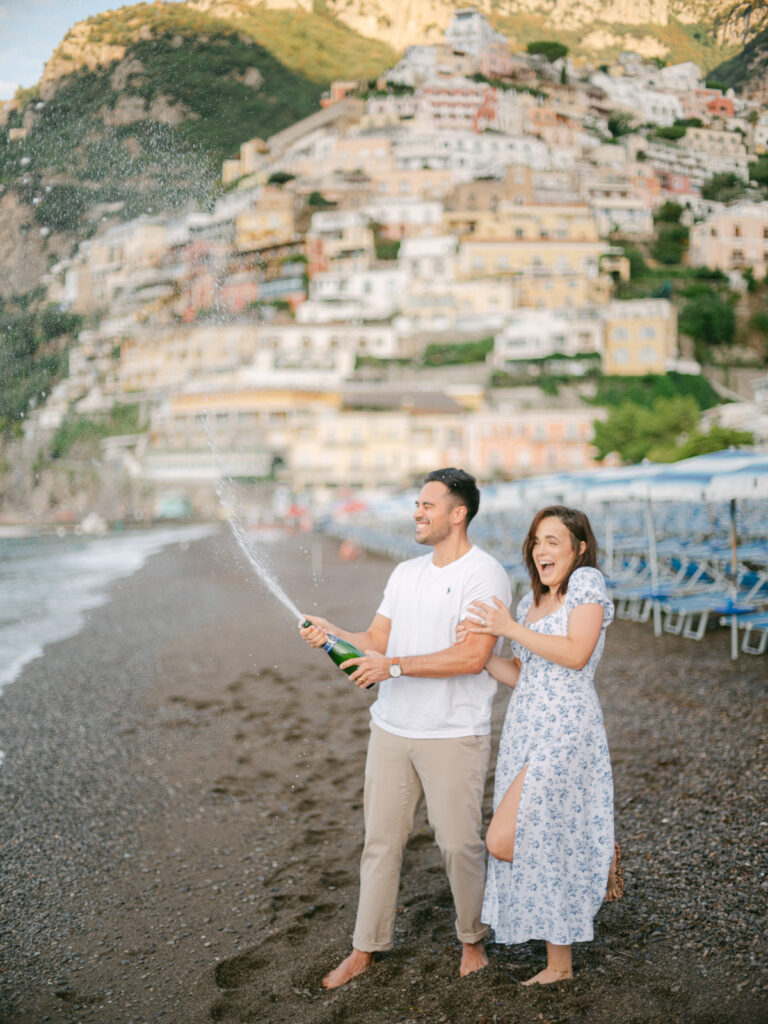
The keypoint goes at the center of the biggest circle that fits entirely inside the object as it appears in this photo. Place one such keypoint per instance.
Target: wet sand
(181, 822)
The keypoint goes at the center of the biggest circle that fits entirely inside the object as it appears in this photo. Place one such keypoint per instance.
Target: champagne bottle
(339, 650)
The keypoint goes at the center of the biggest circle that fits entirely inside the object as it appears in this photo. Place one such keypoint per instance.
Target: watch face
(395, 671)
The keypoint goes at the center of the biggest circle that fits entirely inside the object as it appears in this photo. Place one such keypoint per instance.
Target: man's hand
(316, 634)
(373, 668)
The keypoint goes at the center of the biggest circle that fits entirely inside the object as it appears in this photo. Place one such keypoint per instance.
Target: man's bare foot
(356, 963)
(615, 888)
(473, 958)
(549, 976)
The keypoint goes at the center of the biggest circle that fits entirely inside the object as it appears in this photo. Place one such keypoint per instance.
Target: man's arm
(374, 638)
(463, 659)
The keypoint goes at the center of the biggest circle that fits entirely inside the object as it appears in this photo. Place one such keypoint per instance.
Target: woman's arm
(571, 651)
(504, 670)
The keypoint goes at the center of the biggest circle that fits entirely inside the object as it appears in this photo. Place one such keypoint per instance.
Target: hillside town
(472, 197)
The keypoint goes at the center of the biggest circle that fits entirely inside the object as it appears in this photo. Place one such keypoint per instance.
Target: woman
(551, 836)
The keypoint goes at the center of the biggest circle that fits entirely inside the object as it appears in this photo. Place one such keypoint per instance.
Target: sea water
(47, 583)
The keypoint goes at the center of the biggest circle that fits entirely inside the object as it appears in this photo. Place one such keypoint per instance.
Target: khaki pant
(450, 774)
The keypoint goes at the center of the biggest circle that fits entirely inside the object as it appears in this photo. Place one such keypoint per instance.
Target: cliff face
(401, 23)
(138, 107)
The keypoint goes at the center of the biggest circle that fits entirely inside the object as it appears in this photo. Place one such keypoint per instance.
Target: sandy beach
(181, 822)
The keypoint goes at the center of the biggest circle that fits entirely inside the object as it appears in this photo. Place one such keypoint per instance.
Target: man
(430, 729)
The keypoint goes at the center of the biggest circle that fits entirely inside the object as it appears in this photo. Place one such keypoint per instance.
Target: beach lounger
(755, 622)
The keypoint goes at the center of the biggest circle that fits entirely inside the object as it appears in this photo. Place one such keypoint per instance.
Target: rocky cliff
(675, 29)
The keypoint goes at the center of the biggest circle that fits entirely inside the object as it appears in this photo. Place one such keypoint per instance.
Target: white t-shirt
(425, 603)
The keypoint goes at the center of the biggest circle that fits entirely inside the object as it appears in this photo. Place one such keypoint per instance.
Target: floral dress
(564, 838)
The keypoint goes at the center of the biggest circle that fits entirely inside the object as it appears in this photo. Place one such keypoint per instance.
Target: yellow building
(640, 336)
(472, 196)
(161, 360)
(420, 183)
(252, 158)
(351, 448)
(276, 219)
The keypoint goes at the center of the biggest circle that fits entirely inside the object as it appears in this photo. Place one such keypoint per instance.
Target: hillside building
(732, 238)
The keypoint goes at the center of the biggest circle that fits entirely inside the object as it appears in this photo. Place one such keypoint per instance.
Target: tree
(549, 49)
(671, 243)
(317, 199)
(709, 319)
(669, 213)
(619, 124)
(758, 171)
(716, 439)
(671, 132)
(633, 430)
(723, 187)
(280, 178)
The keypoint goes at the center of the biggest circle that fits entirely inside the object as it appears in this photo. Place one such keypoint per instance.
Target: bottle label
(330, 643)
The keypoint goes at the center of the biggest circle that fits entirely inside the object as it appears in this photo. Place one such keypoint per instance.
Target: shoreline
(180, 812)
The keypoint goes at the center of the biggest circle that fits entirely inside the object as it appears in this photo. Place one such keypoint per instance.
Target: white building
(647, 104)
(680, 77)
(732, 238)
(470, 32)
(365, 295)
(402, 216)
(625, 214)
(535, 334)
(469, 155)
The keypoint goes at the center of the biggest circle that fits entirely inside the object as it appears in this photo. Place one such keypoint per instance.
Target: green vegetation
(671, 132)
(458, 352)
(506, 86)
(668, 213)
(548, 49)
(671, 243)
(318, 201)
(644, 391)
(33, 356)
(707, 318)
(149, 133)
(619, 124)
(723, 187)
(124, 419)
(665, 432)
(750, 63)
(697, 443)
(758, 171)
(386, 248)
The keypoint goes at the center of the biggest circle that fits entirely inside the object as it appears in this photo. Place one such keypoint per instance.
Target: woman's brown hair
(578, 527)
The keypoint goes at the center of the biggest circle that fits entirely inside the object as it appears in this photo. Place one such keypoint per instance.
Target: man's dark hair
(463, 488)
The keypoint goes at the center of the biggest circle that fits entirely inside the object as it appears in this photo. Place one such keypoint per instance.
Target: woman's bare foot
(473, 958)
(549, 976)
(356, 963)
(615, 888)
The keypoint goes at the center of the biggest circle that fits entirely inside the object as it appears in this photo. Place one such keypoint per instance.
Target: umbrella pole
(650, 526)
(608, 536)
(734, 581)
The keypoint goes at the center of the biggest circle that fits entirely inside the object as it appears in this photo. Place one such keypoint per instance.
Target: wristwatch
(394, 669)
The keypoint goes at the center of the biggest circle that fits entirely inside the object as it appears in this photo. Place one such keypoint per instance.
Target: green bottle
(339, 650)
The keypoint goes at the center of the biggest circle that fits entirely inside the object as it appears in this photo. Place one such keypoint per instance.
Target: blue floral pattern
(564, 838)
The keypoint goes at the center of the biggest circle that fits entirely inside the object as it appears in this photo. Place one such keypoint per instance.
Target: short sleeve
(587, 586)
(524, 606)
(386, 607)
